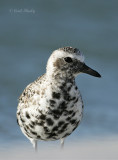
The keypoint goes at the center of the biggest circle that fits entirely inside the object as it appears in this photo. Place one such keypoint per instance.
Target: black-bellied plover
(51, 107)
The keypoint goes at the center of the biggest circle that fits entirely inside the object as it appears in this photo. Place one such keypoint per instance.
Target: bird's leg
(35, 146)
(62, 142)
(34, 142)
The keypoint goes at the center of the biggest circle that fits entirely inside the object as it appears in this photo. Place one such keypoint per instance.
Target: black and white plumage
(51, 107)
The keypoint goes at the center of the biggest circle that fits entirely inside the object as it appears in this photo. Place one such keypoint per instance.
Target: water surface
(27, 39)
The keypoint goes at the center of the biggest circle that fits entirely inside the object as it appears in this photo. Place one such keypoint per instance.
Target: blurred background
(30, 31)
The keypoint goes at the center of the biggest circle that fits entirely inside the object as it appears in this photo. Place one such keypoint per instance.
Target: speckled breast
(56, 116)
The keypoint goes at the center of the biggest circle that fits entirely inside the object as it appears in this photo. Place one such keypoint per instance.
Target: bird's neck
(60, 78)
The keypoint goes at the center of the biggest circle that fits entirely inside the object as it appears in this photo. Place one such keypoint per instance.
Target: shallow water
(27, 38)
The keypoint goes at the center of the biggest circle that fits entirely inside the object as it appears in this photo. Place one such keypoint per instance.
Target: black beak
(88, 70)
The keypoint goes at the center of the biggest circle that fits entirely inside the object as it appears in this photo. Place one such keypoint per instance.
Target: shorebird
(51, 107)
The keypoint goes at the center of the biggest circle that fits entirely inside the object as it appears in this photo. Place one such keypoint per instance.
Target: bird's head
(69, 62)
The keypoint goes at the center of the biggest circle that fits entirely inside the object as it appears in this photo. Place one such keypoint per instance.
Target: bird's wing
(30, 91)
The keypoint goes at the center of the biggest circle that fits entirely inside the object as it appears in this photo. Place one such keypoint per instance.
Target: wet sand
(84, 150)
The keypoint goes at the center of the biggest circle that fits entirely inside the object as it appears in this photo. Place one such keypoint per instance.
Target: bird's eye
(68, 59)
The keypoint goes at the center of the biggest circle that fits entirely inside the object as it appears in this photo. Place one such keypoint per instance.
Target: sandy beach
(84, 150)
